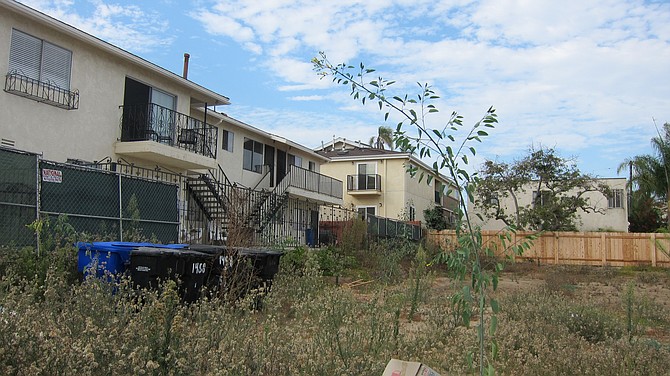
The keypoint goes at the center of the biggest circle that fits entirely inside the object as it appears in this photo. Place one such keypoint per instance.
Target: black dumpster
(265, 262)
(151, 266)
(218, 261)
(236, 270)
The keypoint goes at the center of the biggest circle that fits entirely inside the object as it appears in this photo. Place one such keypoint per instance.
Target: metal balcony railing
(367, 182)
(39, 91)
(311, 181)
(151, 122)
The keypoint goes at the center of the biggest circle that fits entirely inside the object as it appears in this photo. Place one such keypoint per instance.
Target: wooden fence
(578, 248)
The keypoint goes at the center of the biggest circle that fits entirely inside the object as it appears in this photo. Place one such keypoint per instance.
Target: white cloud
(307, 98)
(127, 26)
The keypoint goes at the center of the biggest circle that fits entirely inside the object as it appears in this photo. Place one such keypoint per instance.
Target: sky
(588, 78)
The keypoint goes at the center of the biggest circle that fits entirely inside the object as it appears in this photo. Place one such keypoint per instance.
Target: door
(281, 165)
(314, 225)
(135, 111)
(270, 162)
(163, 115)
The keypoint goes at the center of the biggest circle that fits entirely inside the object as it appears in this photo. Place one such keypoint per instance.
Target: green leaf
(495, 306)
(493, 325)
(482, 133)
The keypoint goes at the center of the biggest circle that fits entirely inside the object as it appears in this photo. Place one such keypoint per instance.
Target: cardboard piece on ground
(397, 367)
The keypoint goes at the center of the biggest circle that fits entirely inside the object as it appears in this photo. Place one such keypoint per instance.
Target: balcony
(43, 92)
(312, 185)
(364, 184)
(159, 134)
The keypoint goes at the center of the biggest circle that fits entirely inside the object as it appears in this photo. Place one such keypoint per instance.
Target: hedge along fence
(578, 248)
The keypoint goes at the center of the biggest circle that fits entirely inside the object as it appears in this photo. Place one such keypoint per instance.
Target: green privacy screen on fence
(95, 201)
(18, 197)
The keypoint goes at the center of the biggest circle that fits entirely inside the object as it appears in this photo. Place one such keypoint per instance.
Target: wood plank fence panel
(576, 248)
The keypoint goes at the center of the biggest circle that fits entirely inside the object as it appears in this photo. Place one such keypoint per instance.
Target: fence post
(120, 209)
(38, 201)
(556, 244)
(653, 249)
(603, 248)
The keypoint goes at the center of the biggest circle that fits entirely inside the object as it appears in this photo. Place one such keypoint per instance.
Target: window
(412, 213)
(544, 198)
(312, 166)
(39, 60)
(364, 211)
(367, 176)
(227, 142)
(493, 199)
(294, 160)
(438, 192)
(616, 199)
(253, 156)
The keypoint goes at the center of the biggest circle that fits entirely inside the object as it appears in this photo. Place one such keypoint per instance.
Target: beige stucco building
(612, 212)
(71, 96)
(376, 182)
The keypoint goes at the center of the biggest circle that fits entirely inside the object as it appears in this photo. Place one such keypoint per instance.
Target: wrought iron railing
(151, 122)
(39, 91)
(311, 181)
(366, 182)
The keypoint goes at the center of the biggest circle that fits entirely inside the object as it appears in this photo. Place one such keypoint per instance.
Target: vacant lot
(554, 321)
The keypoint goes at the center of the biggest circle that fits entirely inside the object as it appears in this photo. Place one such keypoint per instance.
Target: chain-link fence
(98, 202)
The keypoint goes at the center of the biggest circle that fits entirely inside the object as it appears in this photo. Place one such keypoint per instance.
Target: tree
(644, 213)
(451, 156)
(651, 172)
(384, 137)
(435, 218)
(559, 191)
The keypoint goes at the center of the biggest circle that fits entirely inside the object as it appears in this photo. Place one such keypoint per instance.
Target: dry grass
(308, 326)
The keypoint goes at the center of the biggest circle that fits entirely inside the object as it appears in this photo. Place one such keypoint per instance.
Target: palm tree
(384, 137)
(651, 172)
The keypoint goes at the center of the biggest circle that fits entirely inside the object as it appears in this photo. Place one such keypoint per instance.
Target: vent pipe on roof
(185, 73)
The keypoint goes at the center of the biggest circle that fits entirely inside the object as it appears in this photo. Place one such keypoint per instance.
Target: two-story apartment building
(71, 96)
(611, 213)
(377, 182)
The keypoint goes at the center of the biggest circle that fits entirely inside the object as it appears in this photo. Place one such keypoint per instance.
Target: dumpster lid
(160, 252)
(210, 249)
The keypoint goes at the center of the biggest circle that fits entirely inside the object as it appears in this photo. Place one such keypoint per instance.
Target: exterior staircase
(224, 202)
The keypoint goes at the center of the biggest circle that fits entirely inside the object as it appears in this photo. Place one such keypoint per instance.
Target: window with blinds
(40, 60)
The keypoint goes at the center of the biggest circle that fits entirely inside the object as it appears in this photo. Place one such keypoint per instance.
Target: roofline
(110, 48)
(331, 143)
(224, 117)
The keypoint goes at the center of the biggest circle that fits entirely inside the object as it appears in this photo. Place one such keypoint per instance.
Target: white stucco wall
(90, 131)
(615, 219)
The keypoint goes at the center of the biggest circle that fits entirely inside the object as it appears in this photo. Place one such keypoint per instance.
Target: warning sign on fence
(52, 176)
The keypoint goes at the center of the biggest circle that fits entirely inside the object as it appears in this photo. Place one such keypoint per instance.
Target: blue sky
(585, 77)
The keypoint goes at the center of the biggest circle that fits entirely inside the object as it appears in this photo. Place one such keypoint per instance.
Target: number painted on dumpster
(198, 268)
